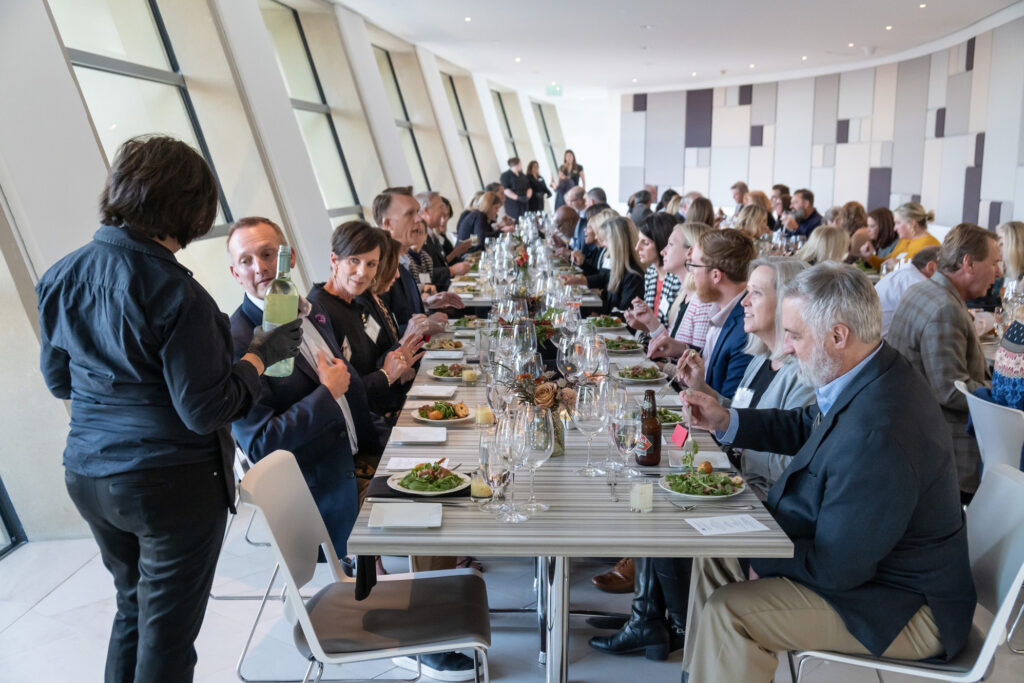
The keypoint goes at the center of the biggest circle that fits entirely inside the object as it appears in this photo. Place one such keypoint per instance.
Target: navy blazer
(404, 299)
(728, 359)
(872, 503)
(297, 413)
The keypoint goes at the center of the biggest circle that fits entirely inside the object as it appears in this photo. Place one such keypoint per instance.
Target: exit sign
(554, 90)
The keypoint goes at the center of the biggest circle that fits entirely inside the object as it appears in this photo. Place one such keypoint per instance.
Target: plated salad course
(667, 417)
(606, 321)
(466, 321)
(443, 345)
(702, 480)
(431, 477)
(443, 410)
(641, 372)
(622, 344)
(453, 370)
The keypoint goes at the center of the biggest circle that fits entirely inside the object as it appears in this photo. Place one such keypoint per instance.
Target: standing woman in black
(540, 188)
(573, 170)
(145, 356)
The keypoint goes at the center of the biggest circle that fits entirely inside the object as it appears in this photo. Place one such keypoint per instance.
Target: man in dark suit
(435, 216)
(719, 263)
(516, 188)
(870, 500)
(397, 211)
(319, 412)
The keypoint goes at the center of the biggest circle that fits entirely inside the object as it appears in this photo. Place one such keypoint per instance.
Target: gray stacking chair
(404, 615)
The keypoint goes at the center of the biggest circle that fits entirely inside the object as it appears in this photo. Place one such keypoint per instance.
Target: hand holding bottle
(277, 344)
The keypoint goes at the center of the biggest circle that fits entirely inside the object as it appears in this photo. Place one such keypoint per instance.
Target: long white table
(582, 522)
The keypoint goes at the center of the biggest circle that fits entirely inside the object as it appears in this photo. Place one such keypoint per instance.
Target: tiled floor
(56, 603)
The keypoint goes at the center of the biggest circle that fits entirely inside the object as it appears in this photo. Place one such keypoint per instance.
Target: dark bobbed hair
(658, 227)
(886, 227)
(160, 187)
(354, 237)
(665, 197)
(390, 250)
(701, 211)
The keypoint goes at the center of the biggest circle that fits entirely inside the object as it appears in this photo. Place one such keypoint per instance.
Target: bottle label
(643, 444)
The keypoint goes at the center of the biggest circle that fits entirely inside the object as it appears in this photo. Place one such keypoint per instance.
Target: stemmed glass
(625, 434)
(588, 416)
(540, 442)
(592, 357)
(565, 360)
(524, 335)
(512, 435)
(494, 467)
(499, 391)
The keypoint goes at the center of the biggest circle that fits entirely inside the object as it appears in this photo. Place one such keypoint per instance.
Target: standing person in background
(537, 185)
(911, 223)
(145, 356)
(573, 170)
(804, 218)
(516, 188)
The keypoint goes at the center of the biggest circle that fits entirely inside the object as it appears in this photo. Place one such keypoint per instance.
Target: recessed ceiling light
(804, 58)
(649, 27)
(888, 28)
(554, 83)
(849, 45)
(634, 80)
(469, 18)
(694, 73)
(751, 66)
(518, 60)
(922, 5)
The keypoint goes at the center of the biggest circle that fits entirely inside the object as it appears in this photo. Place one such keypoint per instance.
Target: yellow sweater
(908, 247)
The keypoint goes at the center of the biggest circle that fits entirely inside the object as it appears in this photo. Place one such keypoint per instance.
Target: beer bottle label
(643, 444)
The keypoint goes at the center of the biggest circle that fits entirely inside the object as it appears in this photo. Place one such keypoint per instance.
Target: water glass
(588, 415)
(540, 443)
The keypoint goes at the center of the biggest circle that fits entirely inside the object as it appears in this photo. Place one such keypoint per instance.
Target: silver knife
(465, 502)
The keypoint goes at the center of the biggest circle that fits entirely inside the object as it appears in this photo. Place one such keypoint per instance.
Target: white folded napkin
(421, 390)
(444, 355)
(397, 464)
(404, 436)
(405, 515)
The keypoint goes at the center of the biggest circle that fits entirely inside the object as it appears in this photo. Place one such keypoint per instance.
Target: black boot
(673, 576)
(646, 628)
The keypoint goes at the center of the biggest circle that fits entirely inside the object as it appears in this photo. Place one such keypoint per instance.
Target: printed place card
(725, 524)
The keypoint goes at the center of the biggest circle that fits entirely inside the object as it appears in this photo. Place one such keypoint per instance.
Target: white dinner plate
(431, 375)
(639, 350)
(394, 479)
(442, 423)
(661, 376)
(689, 497)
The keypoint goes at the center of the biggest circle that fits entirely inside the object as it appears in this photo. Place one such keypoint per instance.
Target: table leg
(542, 611)
(557, 578)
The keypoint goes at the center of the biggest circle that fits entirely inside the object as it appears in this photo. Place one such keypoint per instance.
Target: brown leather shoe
(619, 579)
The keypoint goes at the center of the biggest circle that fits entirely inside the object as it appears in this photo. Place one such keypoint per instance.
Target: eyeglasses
(690, 265)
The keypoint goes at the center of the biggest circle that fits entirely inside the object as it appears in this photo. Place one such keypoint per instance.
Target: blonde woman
(911, 223)
(758, 198)
(1011, 243)
(827, 243)
(625, 274)
(595, 266)
(753, 221)
(478, 221)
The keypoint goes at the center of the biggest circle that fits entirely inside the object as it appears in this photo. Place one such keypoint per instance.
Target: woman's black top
(564, 185)
(477, 223)
(759, 384)
(540, 191)
(574, 175)
(631, 286)
(349, 321)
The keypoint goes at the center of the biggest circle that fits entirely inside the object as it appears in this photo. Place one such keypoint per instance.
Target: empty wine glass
(592, 358)
(588, 416)
(524, 335)
(540, 442)
(565, 360)
(625, 434)
(512, 436)
(493, 467)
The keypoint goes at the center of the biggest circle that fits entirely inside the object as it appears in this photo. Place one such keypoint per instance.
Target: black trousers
(160, 532)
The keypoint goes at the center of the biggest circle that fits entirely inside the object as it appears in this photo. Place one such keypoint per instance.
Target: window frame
(507, 131)
(462, 129)
(11, 524)
(539, 112)
(322, 107)
(405, 122)
(172, 77)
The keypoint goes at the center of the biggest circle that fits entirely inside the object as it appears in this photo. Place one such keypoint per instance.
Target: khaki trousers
(735, 627)
(426, 563)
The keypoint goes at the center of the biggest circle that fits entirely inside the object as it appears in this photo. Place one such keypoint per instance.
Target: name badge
(372, 328)
(424, 278)
(742, 398)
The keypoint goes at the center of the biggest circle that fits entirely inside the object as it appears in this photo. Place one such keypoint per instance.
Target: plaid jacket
(934, 331)
(669, 290)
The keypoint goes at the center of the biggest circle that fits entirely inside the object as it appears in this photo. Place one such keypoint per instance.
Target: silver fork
(611, 486)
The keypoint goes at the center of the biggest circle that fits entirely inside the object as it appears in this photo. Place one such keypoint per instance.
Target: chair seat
(960, 664)
(401, 613)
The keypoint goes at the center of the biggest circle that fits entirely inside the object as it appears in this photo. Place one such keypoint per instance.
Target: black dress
(349, 321)
(540, 191)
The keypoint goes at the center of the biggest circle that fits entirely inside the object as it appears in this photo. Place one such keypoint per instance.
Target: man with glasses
(719, 265)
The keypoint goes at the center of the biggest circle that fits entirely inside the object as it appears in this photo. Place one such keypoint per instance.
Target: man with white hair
(870, 500)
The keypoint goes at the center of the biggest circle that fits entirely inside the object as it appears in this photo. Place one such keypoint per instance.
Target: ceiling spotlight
(694, 73)
(518, 60)
(469, 18)
(804, 58)
(888, 28)
(751, 66)
(634, 80)
(849, 45)
(554, 83)
(922, 5)
(649, 27)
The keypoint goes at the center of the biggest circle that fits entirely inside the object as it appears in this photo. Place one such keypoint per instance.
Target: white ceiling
(591, 46)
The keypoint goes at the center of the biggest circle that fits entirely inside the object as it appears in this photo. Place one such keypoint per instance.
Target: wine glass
(512, 435)
(564, 359)
(505, 338)
(593, 358)
(625, 434)
(540, 442)
(524, 335)
(493, 467)
(588, 416)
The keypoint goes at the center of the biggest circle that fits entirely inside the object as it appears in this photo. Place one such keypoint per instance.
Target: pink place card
(679, 435)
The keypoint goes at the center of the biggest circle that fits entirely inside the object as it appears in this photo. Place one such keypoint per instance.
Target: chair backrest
(995, 538)
(1000, 430)
(276, 487)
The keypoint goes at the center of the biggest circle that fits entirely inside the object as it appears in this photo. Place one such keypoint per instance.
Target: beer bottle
(648, 448)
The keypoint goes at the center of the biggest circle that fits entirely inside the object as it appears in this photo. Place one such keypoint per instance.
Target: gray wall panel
(666, 139)
(826, 109)
(958, 103)
(908, 130)
(762, 104)
(698, 117)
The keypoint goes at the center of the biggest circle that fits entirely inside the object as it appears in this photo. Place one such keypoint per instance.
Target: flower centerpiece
(547, 391)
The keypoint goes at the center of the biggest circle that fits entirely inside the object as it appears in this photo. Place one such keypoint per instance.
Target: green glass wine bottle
(281, 306)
